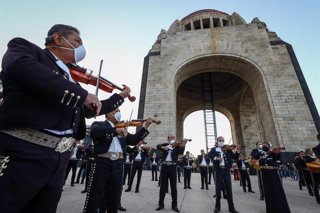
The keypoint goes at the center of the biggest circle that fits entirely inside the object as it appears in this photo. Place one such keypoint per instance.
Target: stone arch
(237, 106)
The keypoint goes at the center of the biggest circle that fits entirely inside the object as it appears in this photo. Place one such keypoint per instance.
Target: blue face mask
(117, 116)
(79, 52)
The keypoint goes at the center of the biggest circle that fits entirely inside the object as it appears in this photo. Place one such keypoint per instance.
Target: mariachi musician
(171, 150)
(154, 166)
(222, 157)
(187, 162)
(314, 169)
(275, 197)
(140, 152)
(254, 161)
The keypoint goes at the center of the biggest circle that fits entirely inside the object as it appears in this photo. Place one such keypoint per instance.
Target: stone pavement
(192, 200)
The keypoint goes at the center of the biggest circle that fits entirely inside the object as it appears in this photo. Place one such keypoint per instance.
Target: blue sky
(121, 32)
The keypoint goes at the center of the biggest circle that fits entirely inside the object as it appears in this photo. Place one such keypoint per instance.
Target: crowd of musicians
(42, 121)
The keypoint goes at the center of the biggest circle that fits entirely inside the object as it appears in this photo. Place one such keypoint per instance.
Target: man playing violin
(42, 113)
(139, 152)
(105, 183)
(222, 157)
(275, 197)
(171, 150)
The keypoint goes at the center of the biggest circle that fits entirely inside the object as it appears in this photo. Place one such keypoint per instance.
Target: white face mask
(172, 142)
(220, 144)
(79, 52)
(260, 146)
(117, 116)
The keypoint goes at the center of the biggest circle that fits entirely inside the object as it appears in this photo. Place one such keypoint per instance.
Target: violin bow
(98, 77)
(129, 119)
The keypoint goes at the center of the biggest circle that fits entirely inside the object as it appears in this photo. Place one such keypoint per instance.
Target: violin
(85, 76)
(181, 142)
(134, 123)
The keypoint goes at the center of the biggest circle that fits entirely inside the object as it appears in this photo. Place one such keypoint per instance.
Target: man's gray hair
(65, 30)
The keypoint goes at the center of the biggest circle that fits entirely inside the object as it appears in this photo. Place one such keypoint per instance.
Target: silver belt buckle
(64, 144)
(113, 155)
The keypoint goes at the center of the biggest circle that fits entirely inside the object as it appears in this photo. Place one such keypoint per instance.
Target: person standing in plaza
(154, 166)
(203, 164)
(42, 113)
(223, 156)
(187, 162)
(139, 157)
(275, 197)
(127, 166)
(253, 159)
(244, 175)
(73, 162)
(171, 150)
(110, 143)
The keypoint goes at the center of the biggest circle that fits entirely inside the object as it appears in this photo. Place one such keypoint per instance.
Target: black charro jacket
(102, 134)
(38, 95)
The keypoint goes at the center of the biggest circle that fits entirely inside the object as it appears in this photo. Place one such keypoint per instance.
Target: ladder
(208, 110)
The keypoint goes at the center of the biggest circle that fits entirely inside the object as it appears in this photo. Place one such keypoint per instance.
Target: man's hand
(93, 103)
(126, 92)
(122, 131)
(219, 159)
(165, 148)
(147, 123)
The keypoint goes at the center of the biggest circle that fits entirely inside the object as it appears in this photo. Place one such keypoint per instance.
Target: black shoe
(214, 195)
(128, 190)
(251, 191)
(159, 208)
(201, 188)
(311, 193)
(233, 211)
(72, 184)
(179, 182)
(189, 187)
(175, 209)
(209, 183)
(244, 190)
(224, 196)
(207, 188)
(84, 191)
(120, 208)
(261, 198)
(137, 190)
(152, 180)
(216, 210)
(76, 182)
(184, 187)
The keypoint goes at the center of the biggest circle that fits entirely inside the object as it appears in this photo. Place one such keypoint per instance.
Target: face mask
(117, 116)
(220, 144)
(79, 52)
(172, 142)
(260, 146)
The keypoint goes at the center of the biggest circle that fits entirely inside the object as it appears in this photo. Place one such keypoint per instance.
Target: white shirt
(128, 159)
(74, 153)
(203, 162)
(169, 158)
(218, 149)
(243, 165)
(115, 145)
(138, 157)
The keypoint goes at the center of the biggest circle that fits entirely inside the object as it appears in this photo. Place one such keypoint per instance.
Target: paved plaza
(192, 200)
